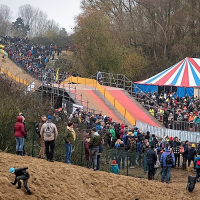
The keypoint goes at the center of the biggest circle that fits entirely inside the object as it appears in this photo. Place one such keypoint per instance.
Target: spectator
(151, 161)
(69, 140)
(49, 133)
(145, 148)
(197, 166)
(175, 145)
(185, 154)
(191, 154)
(19, 135)
(41, 140)
(86, 146)
(166, 171)
(114, 167)
(94, 148)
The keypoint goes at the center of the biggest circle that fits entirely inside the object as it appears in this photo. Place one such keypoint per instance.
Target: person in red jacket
(19, 135)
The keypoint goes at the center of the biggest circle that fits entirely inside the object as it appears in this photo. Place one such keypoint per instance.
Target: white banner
(30, 87)
(75, 106)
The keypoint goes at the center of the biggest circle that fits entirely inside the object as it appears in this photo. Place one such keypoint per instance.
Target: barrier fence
(161, 132)
(15, 78)
(105, 93)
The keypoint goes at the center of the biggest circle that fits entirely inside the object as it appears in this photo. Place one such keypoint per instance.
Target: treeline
(33, 23)
(138, 38)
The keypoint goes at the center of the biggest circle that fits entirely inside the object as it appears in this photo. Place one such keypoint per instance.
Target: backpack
(48, 130)
(157, 165)
(198, 162)
(191, 183)
(169, 159)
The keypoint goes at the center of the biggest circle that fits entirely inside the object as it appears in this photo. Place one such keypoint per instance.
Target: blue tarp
(144, 88)
(181, 91)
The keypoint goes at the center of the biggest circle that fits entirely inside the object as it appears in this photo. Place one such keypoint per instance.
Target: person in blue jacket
(197, 165)
(166, 167)
(114, 168)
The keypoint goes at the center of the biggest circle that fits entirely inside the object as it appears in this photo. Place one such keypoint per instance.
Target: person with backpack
(167, 161)
(191, 154)
(21, 174)
(49, 133)
(41, 140)
(197, 166)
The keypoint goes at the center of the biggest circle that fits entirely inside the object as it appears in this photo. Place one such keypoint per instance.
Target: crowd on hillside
(33, 58)
(174, 112)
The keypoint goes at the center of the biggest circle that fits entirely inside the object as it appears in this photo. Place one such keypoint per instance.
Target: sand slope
(61, 181)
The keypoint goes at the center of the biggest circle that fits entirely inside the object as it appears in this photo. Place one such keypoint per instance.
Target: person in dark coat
(87, 150)
(185, 153)
(191, 154)
(151, 161)
(21, 174)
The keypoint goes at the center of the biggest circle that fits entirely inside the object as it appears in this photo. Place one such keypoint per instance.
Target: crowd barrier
(104, 92)
(17, 79)
(161, 132)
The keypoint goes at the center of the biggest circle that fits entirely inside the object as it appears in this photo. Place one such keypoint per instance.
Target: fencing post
(81, 153)
(33, 138)
(126, 163)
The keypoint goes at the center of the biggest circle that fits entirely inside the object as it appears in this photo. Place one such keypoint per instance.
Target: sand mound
(61, 181)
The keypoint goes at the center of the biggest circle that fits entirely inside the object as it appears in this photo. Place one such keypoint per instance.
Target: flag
(57, 74)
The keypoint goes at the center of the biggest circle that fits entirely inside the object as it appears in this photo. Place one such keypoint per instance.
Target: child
(21, 174)
(114, 168)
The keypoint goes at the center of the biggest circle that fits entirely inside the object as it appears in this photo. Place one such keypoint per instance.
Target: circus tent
(182, 77)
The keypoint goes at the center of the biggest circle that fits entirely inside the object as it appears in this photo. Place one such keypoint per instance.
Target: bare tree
(5, 19)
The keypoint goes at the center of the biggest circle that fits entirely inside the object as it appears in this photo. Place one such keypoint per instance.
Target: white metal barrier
(161, 132)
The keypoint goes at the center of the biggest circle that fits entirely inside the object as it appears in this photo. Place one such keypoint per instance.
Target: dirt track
(61, 181)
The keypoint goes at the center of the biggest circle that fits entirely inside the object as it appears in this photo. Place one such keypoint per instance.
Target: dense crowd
(174, 112)
(33, 58)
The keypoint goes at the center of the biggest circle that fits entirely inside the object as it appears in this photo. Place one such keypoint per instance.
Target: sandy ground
(61, 181)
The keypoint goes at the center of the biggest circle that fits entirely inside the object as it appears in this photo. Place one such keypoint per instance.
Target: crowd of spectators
(33, 58)
(174, 112)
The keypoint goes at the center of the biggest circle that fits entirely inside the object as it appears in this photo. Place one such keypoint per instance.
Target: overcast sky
(61, 11)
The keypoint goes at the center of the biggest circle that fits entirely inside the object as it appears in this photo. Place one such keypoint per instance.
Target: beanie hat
(114, 162)
(70, 123)
(11, 170)
(49, 117)
(193, 145)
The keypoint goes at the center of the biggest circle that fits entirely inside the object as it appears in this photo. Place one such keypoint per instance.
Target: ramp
(136, 111)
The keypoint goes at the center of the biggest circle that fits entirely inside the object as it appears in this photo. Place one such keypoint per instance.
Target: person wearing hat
(21, 174)
(114, 168)
(49, 133)
(191, 154)
(69, 140)
(19, 133)
(94, 144)
(23, 121)
(185, 154)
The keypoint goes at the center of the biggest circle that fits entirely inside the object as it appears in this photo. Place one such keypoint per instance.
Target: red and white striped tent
(185, 75)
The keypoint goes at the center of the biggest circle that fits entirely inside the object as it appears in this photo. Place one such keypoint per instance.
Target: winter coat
(68, 135)
(95, 141)
(21, 172)
(86, 145)
(151, 157)
(191, 153)
(112, 132)
(114, 168)
(195, 161)
(176, 147)
(19, 128)
(185, 153)
(163, 158)
(54, 131)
